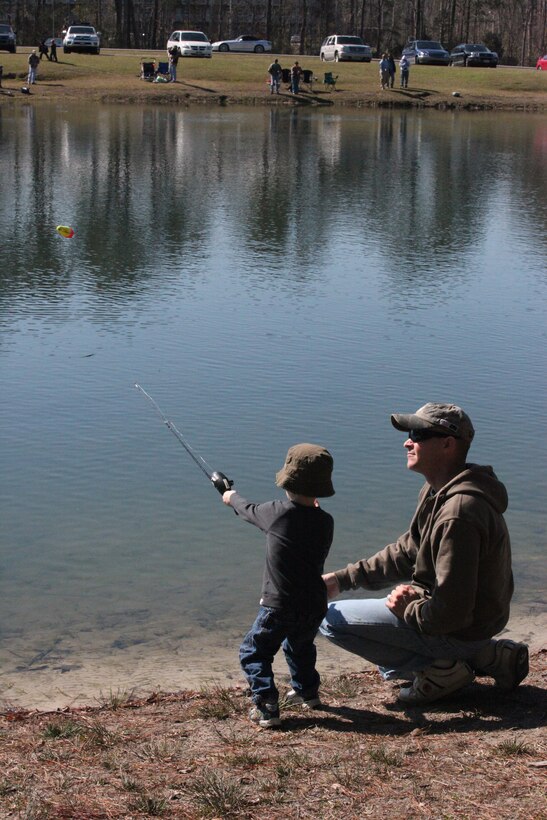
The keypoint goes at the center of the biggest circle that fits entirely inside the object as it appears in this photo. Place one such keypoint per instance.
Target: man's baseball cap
(443, 418)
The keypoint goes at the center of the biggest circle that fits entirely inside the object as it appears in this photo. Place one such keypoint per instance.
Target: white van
(339, 47)
(190, 43)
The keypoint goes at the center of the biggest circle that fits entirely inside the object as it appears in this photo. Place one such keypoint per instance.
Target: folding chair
(286, 76)
(162, 69)
(148, 71)
(330, 80)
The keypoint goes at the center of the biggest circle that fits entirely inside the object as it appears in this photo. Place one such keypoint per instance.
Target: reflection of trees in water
(148, 188)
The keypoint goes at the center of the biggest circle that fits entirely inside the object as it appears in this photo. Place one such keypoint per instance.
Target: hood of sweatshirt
(480, 481)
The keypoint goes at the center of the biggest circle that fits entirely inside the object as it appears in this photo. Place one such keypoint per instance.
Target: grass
(480, 754)
(216, 794)
(114, 75)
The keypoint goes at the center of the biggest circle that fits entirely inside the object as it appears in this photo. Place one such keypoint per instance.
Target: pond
(268, 277)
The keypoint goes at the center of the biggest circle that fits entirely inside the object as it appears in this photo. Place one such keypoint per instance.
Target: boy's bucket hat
(443, 418)
(307, 471)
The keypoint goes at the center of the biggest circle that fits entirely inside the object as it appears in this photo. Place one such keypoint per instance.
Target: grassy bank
(480, 754)
(113, 76)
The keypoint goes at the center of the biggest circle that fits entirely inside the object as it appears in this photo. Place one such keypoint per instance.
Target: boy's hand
(227, 496)
(331, 582)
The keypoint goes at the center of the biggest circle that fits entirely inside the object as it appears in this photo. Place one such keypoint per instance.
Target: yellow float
(65, 231)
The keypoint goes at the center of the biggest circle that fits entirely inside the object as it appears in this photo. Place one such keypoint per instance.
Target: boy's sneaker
(437, 681)
(266, 715)
(292, 698)
(509, 666)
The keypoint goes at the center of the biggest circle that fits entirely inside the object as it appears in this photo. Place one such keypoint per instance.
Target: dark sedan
(473, 54)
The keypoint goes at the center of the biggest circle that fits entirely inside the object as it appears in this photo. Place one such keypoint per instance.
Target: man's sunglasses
(423, 435)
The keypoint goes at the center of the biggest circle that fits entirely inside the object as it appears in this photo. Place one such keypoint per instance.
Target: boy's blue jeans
(295, 633)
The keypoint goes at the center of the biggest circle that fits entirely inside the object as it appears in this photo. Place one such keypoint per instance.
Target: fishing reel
(221, 482)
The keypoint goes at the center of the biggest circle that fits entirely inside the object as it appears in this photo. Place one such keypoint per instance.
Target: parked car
(7, 38)
(190, 43)
(473, 54)
(426, 52)
(81, 38)
(541, 64)
(245, 42)
(345, 47)
(58, 42)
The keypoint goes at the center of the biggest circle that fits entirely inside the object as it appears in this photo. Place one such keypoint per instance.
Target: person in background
(296, 72)
(33, 61)
(275, 71)
(294, 598)
(435, 630)
(173, 55)
(384, 72)
(53, 51)
(404, 68)
(392, 69)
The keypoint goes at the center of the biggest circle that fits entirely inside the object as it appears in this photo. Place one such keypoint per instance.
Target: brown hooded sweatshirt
(457, 554)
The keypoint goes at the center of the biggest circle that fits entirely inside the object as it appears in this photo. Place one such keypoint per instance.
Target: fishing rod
(218, 479)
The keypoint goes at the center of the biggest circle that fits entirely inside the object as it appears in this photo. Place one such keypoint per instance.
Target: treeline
(516, 29)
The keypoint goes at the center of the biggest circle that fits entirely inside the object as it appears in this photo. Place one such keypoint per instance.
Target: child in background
(294, 597)
(404, 66)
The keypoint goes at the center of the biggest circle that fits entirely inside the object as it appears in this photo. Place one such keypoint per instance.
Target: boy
(404, 66)
(294, 598)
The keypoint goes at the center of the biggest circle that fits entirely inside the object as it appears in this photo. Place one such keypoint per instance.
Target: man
(33, 61)
(173, 55)
(275, 71)
(436, 632)
(296, 72)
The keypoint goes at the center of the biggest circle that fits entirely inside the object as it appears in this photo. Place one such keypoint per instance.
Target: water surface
(269, 277)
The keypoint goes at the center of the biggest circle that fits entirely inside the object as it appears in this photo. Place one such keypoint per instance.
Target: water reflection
(146, 188)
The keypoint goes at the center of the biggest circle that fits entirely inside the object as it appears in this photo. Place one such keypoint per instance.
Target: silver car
(426, 52)
(245, 42)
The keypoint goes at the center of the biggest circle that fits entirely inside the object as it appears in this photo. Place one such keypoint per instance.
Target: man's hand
(331, 582)
(400, 597)
(227, 496)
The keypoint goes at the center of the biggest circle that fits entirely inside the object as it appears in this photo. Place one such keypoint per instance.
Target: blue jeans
(295, 85)
(369, 629)
(295, 633)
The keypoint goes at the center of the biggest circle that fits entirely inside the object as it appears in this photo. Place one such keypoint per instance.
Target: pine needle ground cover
(482, 753)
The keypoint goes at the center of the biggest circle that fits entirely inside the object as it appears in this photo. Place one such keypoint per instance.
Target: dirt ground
(186, 92)
(479, 754)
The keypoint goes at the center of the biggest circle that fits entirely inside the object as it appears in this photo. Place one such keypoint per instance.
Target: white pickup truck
(81, 38)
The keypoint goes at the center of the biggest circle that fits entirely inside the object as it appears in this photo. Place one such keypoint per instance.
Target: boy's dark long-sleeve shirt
(298, 540)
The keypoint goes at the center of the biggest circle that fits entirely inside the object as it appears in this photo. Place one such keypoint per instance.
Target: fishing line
(218, 479)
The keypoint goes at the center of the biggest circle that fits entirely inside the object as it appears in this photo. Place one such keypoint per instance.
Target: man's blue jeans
(295, 633)
(369, 629)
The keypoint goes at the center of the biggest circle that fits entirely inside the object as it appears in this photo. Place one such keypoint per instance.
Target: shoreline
(187, 96)
(226, 81)
(94, 677)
